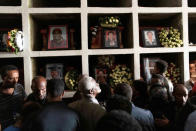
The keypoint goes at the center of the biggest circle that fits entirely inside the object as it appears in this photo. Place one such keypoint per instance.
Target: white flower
(19, 40)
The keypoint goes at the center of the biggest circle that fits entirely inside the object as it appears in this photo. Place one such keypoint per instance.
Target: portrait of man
(110, 39)
(150, 38)
(58, 37)
(3, 41)
(101, 75)
(54, 71)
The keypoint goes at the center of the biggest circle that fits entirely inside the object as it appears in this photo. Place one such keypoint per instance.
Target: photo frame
(110, 38)
(3, 39)
(54, 71)
(149, 66)
(1, 80)
(58, 37)
(101, 75)
(150, 38)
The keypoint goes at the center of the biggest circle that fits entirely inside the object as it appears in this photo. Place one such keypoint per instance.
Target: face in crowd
(181, 94)
(10, 80)
(39, 87)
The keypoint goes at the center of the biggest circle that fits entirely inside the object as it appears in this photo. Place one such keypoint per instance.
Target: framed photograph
(110, 38)
(1, 80)
(150, 38)
(101, 75)
(149, 67)
(3, 39)
(58, 37)
(54, 71)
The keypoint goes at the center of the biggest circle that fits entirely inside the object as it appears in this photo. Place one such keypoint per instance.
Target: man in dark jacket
(38, 87)
(182, 116)
(144, 117)
(12, 95)
(56, 116)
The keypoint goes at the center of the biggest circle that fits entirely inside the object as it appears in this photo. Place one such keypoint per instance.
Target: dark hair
(118, 102)
(158, 79)
(140, 95)
(158, 92)
(158, 76)
(6, 68)
(105, 93)
(124, 89)
(29, 113)
(28, 108)
(162, 66)
(118, 120)
(55, 87)
(140, 86)
(152, 87)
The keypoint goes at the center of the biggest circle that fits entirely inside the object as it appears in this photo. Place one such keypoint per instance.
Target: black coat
(56, 116)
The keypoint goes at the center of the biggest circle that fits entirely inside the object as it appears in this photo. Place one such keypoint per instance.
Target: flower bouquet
(173, 73)
(106, 61)
(170, 37)
(120, 74)
(109, 21)
(15, 41)
(72, 79)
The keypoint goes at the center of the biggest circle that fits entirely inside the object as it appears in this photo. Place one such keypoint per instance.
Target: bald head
(39, 87)
(181, 94)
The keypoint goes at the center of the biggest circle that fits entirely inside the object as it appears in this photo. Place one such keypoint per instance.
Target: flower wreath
(120, 74)
(15, 41)
(71, 79)
(173, 73)
(106, 61)
(170, 37)
(109, 21)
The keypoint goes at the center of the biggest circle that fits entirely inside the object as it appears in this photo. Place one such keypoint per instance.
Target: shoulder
(19, 87)
(11, 128)
(83, 104)
(75, 104)
(19, 90)
(190, 122)
(142, 115)
(142, 111)
(192, 117)
(59, 109)
(30, 97)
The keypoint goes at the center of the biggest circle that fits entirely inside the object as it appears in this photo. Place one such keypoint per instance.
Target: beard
(39, 97)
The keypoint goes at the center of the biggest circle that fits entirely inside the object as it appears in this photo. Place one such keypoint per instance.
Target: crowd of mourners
(157, 106)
